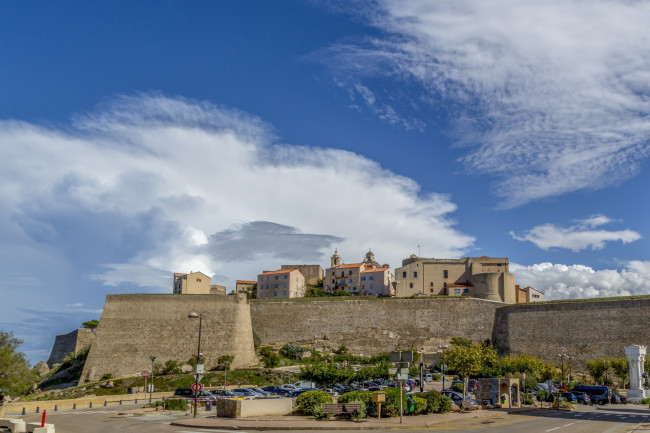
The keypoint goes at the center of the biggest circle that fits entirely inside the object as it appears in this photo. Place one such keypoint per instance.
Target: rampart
(135, 327)
(65, 344)
(372, 326)
(582, 329)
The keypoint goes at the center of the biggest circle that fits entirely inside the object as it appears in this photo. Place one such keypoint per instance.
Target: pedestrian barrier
(14, 425)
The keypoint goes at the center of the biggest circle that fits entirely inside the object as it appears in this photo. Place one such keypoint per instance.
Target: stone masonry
(134, 327)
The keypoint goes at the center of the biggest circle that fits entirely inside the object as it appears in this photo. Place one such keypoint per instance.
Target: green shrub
(436, 402)
(354, 396)
(391, 407)
(171, 367)
(436, 377)
(176, 404)
(266, 351)
(458, 387)
(542, 395)
(529, 401)
(645, 401)
(292, 351)
(562, 404)
(106, 376)
(272, 360)
(362, 411)
(420, 404)
(308, 401)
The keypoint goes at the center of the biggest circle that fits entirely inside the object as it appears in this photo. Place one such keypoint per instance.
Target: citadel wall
(134, 327)
(65, 344)
(373, 326)
(583, 330)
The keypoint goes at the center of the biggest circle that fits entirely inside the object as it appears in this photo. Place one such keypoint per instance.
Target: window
(404, 274)
(456, 290)
(431, 290)
(431, 285)
(371, 278)
(286, 276)
(364, 278)
(415, 274)
(445, 274)
(466, 291)
(276, 286)
(444, 285)
(354, 288)
(275, 293)
(351, 280)
(411, 286)
(363, 286)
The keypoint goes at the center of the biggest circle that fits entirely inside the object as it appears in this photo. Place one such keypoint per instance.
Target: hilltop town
(477, 277)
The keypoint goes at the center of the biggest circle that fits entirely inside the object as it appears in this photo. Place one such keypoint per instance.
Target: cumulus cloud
(550, 97)
(559, 281)
(148, 185)
(578, 237)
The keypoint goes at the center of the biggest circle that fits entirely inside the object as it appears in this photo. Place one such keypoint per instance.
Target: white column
(636, 358)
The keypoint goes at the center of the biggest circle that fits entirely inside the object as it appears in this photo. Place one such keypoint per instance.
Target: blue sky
(145, 138)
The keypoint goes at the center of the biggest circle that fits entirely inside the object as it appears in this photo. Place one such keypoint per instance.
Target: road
(586, 419)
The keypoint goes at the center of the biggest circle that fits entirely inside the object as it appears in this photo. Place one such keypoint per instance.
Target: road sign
(402, 364)
(392, 371)
(199, 368)
(200, 376)
(145, 374)
(402, 376)
(197, 387)
(524, 377)
(400, 356)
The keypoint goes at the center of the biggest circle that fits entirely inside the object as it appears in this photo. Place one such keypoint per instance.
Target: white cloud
(577, 237)
(149, 185)
(559, 281)
(550, 97)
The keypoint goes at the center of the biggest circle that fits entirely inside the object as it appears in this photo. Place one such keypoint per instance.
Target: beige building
(367, 278)
(312, 273)
(241, 285)
(479, 277)
(196, 283)
(282, 284)
(529, 294)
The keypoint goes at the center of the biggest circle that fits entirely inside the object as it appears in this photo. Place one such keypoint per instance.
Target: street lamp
(194, 315)
(562, 356)
(153, 358)
(443, 366)
(225, 374)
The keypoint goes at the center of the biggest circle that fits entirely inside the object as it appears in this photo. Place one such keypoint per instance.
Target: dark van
(598, 394)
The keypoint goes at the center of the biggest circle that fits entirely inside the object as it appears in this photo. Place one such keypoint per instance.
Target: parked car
(598, 394)
(582, 397)
(245, 392)
(624, 399)
(569, 397)
(261, 391)
(457, 399)
(614, 399)
(296, 393)
(277, 390)
(222, 393)
(203, 396)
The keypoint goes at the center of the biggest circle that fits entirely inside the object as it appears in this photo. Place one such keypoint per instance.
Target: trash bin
(208, 405)
(503, 398)
(411, 406)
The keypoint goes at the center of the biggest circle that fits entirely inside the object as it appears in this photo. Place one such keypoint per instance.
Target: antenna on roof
(419, 253)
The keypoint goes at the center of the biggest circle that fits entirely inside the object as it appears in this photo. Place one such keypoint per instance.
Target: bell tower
(336, 259)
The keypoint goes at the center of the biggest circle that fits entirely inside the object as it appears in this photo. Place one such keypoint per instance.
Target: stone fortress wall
(583, 329)
(65, 344)
(373, 326)
(135, 327)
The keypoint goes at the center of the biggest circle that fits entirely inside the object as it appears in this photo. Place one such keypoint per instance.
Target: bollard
(38, 409)
(91, 405)
(56, 407)
(43, 419)
(120, 402)
(208, 405)
(74, 406)
(105, 403)
(24, 413)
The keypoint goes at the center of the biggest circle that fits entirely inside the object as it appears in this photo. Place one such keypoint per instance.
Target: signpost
(197, 387)
(402, 362)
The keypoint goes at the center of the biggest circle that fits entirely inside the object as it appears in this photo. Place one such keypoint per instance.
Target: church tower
(336, 259)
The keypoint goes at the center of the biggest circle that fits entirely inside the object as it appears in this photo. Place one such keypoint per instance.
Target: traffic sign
(145, 374)
(200, 376)
(402, 376)
(524, 377)
(197, 387)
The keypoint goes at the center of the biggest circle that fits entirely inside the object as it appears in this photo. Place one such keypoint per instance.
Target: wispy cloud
(577, 237)
(550, 97)
(559, 281)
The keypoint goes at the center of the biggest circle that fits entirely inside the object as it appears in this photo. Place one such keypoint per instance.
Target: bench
(13, 424)
(341, 408)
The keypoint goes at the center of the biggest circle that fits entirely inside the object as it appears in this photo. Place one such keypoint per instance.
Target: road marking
(553, 429)
(566, 425)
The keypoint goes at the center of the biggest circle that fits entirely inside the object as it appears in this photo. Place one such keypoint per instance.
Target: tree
(597, 368)
(91, 324)
(621, 367)
(15, 372)
(469, 360)
(225, 361)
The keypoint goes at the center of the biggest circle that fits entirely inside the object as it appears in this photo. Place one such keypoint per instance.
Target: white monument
(636, 358)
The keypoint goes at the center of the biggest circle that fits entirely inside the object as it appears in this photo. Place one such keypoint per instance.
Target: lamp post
(443, 366)
(225, 374)
(153, 358)
(194, 315)
(562, 356)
